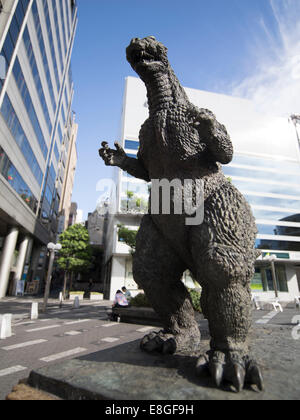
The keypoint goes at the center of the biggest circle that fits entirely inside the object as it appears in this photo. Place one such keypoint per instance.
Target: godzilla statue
(181, 141)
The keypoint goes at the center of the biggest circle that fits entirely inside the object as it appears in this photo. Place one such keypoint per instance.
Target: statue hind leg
(225, 274)
(157, 269)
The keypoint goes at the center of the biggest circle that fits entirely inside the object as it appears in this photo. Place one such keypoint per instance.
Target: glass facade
(272, 188)
(264, 282)
(44, 57)
(13, 33)
(130, 144)
(45, 87)
(12, 176)
(13, 123)
(24, 92)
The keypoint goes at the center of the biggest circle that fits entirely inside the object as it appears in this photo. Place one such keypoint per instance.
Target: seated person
(120, 300)
(127, 294)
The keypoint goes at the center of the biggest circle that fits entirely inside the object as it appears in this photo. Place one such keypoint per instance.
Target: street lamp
(272, 258)
(53, 248)
(295, 119)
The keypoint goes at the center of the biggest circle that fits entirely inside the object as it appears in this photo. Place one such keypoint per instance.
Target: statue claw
(169, 346)
(254, 377)
(238, 377)
(230, 367)
(216, 370)
(202, 366)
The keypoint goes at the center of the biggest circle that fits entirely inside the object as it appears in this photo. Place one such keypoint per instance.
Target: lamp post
(52, 249)
(272, 259)
(295, 119)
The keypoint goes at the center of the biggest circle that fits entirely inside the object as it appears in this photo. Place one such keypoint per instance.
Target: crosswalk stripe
(21, 345)
(24, 323)
(11, 370)
(110, 339)
(73, 333)
(63, 354)
(110, 324)
(77, 322)
(265, 319)
(145, 329)
(43, 328)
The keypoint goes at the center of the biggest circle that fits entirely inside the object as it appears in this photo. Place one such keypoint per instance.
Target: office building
(36, 42)
(265, 168)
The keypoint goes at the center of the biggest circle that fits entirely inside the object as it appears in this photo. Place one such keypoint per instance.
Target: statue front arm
(119, 158)
(213, 134)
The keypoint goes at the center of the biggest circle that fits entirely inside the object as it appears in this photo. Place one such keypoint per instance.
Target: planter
(73, 295)
(96, 296)
(134, 315)
(143, 316)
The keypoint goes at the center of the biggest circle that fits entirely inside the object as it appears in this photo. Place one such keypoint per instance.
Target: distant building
(36, 42)
(67, 174)
(95, 226)
(265, 168)
(72, 214)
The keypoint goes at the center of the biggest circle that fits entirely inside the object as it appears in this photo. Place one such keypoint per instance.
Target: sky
(244, 48)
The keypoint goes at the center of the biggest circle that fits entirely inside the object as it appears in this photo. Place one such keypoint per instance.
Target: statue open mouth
(143, 56)
(145, 52)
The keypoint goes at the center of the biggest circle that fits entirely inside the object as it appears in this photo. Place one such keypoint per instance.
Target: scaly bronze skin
(181, 141)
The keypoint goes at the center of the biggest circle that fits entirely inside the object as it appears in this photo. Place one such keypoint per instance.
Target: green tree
(76, 253)
(128, 236)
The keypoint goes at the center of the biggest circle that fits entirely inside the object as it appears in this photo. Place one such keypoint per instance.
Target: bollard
(5, 326)
(2, 327)
(76, 304)
(34, 310)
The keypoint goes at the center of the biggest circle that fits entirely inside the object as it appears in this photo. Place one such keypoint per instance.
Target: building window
(18, 134)
(133, 145)
(13, 32)
(263, 280)
(12, 176)
(130, 284)
(42, 51)
(277, 245)
(24, 92)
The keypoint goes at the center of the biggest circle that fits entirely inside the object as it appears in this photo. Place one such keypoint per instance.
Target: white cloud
(275, 82)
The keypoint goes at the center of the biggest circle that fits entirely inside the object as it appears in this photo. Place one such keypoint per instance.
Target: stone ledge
(140, 315)
(135, 315)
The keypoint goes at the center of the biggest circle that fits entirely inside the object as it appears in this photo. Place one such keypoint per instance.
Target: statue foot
(167, 343)
(232, 367)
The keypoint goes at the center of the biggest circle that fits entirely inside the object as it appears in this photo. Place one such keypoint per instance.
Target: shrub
(195, 296)
(140, 301)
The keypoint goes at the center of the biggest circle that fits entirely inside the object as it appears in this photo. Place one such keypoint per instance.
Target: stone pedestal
(125, 373)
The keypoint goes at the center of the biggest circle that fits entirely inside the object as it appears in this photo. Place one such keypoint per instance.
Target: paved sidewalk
(20, 307)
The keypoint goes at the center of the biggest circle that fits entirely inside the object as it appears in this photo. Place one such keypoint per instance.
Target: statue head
(147, 56)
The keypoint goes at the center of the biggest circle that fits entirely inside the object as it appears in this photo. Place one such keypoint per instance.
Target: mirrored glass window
(292, 181)
(277, 245)
(273, 202)
(285, 166)
(130, 144)
(278, 230)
